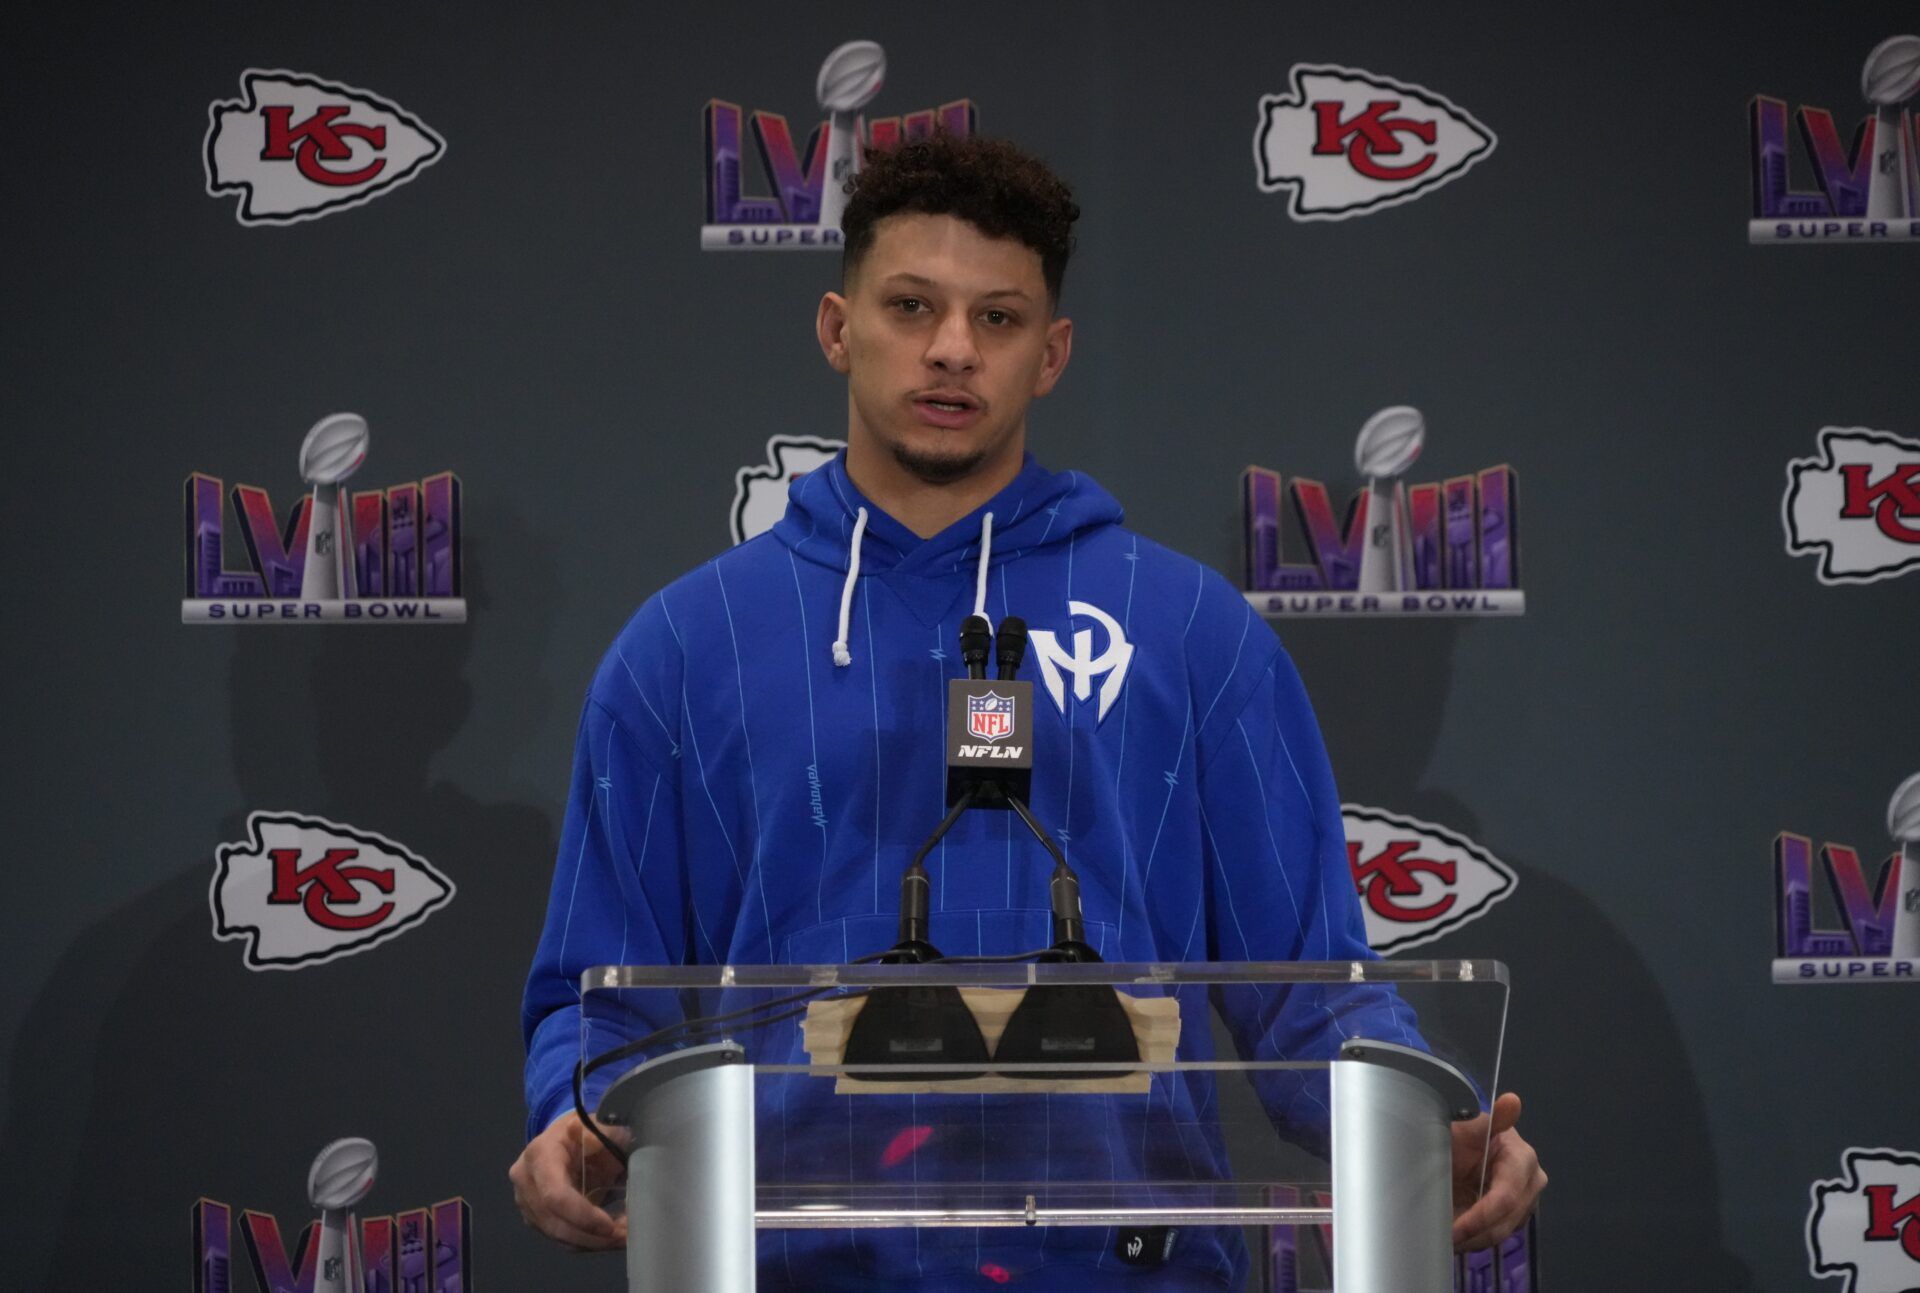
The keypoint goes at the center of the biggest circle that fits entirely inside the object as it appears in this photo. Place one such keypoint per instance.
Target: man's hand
(547, 1180)
(1514, 1178)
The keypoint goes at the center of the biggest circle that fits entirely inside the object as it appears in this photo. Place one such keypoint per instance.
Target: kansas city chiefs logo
(1347, 142)
(1865, 1225)
(1417, 880)
(1856, 506)
(295, 147)
(760, 493)
(303, 890)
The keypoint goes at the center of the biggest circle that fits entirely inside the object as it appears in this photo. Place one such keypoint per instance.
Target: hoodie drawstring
(841, 656)
(980, 580)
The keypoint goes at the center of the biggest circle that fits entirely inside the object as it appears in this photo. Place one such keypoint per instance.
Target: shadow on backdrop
(1612, 1105)
(156, 1068)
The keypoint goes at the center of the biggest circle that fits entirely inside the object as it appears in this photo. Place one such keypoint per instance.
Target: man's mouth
(951, 401)
(951, 410)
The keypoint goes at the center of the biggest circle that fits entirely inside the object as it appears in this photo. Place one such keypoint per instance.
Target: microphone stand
(923, 1023)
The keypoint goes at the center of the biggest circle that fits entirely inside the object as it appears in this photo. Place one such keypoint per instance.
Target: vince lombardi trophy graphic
(341, 1176)
(1903, 823)
(1388, 445)
(848, 80)
(332, 451)
(1890, 78)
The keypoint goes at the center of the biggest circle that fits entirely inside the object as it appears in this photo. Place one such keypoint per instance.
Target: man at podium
(760, 750)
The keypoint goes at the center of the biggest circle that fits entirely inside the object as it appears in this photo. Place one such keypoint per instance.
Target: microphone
(990, 765)
(990, 722)
(920, 1024)
(1011, 646)
(976, 636)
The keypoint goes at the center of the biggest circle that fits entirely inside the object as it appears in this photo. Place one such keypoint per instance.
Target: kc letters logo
(808, 197)
(303, 890)
(1867, 190)
(1347, 142)
(1879, 941)
(1445, 548)
(1864, 1226)
(1416, 880)
(376, 556)
(760, 493)
(295, 147)
(1856, 505)
(422, 1250)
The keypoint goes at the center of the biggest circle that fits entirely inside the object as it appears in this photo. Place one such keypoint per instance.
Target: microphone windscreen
(1012, 644)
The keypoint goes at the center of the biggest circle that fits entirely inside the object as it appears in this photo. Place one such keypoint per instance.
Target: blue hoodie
(740, 795)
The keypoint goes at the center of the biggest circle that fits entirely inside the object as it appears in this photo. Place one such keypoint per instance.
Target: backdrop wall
(532, 310)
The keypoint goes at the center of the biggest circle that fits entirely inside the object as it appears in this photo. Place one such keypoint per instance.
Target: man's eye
(910, 305)
(998, 318)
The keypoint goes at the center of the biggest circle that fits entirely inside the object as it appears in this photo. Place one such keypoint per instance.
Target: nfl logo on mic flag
(990, 717)
(989, 739)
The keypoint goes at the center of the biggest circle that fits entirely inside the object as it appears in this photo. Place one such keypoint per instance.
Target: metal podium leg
(690, 1176)
(1393, 1168)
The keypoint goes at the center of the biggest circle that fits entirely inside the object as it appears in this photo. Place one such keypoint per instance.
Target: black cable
(1039, 831)
(960, 805)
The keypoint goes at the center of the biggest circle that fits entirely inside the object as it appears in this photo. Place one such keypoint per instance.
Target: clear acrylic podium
(1188, 1117)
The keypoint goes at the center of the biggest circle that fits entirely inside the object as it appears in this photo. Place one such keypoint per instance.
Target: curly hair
(992, 185)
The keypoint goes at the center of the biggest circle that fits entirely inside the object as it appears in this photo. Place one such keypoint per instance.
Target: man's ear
(1054, 361)
(830, 325)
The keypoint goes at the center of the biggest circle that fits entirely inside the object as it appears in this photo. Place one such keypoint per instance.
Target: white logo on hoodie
(1083, 664)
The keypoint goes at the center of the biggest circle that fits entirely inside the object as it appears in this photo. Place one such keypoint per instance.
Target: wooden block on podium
(1156, 1029)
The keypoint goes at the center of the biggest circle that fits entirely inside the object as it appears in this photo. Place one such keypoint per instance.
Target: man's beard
(937, 469)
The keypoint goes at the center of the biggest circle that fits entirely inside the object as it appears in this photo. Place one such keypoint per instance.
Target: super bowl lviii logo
(1855, 505)
(808, 197)
(301, 890)
(1416, 880)
(1867, 190)
(1879, 937)
(1345, 142)
(294, 147)
(373, 557)
(422, 1250)
(1443, 548)
(1864, 1226)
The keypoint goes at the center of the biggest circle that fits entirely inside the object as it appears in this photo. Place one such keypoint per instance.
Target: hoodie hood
(830, 523)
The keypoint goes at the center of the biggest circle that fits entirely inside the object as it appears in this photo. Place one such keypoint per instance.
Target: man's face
(945, 335)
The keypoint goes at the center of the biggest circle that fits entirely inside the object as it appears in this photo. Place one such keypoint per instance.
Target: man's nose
(952, 349)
